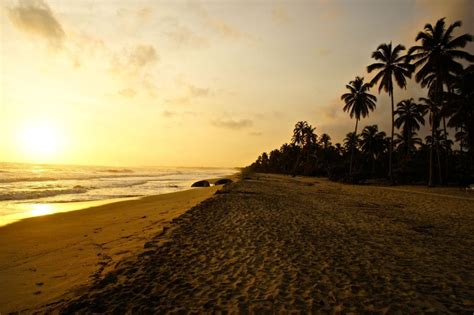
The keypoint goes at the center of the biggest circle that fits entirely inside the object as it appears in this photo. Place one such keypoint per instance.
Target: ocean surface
(28, 190)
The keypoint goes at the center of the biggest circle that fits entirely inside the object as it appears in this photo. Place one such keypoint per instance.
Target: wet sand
(280, 244)
(55, 257)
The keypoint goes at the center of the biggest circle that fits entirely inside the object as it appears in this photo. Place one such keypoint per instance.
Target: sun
(40, 141)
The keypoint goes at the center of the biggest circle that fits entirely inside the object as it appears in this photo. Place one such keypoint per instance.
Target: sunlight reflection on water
(41, 209)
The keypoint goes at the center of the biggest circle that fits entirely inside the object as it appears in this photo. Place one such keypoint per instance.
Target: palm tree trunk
(408, 145)
(430, 177)
(390, 171)
(446, 158)
(440, 171)
(295, 168)
(352, 148)
(373, 166)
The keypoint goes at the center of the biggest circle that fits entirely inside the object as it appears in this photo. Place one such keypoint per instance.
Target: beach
(49, 258)
(265, 244)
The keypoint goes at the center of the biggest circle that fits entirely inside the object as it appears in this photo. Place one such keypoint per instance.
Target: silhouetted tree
(435, 59)
(461, 109)
(372, 143)
(409, 118)
(358, 102)
(303, 137)
(390, 65)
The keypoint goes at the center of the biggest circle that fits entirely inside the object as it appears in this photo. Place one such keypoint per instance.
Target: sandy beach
(262, 245)
(282, 244)
(49, 258)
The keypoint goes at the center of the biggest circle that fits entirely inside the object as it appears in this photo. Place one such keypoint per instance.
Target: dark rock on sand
(201, 183)
(223, 181)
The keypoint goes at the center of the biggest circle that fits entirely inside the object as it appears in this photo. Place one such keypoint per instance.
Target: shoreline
(49, 257)
(37, 209)
(51, 208)
(277, 244)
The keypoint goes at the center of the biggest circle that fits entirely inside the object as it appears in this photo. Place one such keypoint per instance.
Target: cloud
(330, 111)
(134, 65)
(142, 55)
(193, 91)
(129, 93)
(324, 52)
(218, 25)
(168, 113)
(178, 100)
(197, 91)
(280, 16)
(182, 36)
(232, 124)
(181, 114)
(144, 13)
(35, 17)
(135, 60)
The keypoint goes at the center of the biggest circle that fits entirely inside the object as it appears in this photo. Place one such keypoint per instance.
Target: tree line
(441, 66)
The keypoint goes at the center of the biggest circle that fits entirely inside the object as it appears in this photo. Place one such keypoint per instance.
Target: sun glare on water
(41, 209)
(40, 141)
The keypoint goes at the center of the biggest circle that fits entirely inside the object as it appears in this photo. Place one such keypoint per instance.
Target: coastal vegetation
(445, 71)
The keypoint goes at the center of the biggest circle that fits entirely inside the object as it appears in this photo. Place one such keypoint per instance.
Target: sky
(191, 83)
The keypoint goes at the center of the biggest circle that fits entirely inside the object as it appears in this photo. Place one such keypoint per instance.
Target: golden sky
(189, 83)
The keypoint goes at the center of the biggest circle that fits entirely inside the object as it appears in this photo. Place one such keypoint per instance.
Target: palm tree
(436, 55)
(409, 117)
(339, 149)
(461, 110)
(390, 64)
(310, 137)
(407, 142)
(434, 119)
(351, 141)
(436, 59)
(372, 143)
(303, 137)
(298, 133)
(325, 141)
(358, 102)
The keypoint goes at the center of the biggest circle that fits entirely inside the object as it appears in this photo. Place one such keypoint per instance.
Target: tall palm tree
(390, 65)
(435, 58)
(409, 117)
(434, 119)
(461, 109)
(358, 102)
(372, 143)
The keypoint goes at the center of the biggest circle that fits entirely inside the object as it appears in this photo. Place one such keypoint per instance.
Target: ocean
(28, 190)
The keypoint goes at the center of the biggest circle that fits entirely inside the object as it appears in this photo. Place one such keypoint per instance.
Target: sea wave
(124, 170)
(78, 198)
(29, 194)
(35, 192)
(82, 177)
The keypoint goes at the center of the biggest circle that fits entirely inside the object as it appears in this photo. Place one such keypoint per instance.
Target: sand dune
(280, 244)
